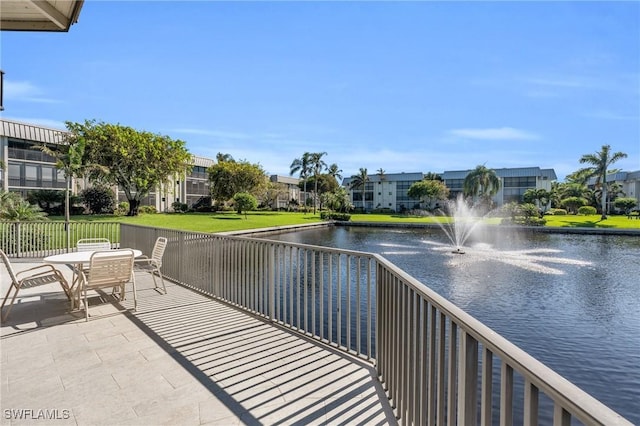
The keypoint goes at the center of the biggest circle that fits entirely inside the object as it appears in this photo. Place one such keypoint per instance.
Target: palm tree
(69, 159)
(302, 166)
(221, 158)
(359, 181)
(334, 171)
(14, 208)
(600, 162)
(482, 182)
(539, 196)
(317, 165)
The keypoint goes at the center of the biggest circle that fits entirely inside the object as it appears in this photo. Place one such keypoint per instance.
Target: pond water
(571, 301)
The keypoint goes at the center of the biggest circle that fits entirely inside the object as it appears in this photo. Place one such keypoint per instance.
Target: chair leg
(164, 288)
(135, 297)
(12, 286)
(86, 305)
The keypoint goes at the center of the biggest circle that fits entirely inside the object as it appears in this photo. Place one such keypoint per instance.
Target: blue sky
(402, 86)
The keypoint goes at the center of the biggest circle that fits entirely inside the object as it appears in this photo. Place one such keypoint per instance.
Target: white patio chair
(154, 263)
(37, 275)
(108, 269)
(91, 244)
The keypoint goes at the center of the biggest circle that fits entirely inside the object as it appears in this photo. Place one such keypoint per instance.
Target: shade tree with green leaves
(625, 203)
(227, 178)
(135, 161)
(244, 202)
(428, 191)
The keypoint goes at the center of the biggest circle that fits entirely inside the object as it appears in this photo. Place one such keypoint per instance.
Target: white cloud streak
(25, 91)
(501, 133)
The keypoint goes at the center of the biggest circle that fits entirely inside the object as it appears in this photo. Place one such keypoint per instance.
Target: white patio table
(76, 260)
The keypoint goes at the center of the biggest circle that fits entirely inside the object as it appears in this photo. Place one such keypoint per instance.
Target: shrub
(557, 212)
(179, 207)
(203, 205)
(147, 210)
(587, 210)
(342, 217)
(383, 210)
(99, 199)
(49, 201)
(122, 209)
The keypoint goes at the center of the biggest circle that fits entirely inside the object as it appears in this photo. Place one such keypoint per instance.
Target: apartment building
(386, 191)
(514, 182)
(293, 191)
(629, 183)
(389, 191)
(26, 169)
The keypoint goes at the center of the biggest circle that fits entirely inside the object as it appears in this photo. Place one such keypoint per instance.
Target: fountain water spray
(465, 220)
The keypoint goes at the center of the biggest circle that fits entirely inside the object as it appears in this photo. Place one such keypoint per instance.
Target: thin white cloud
(501, 133)
(570, 82)
(25, 91)
(609, 115)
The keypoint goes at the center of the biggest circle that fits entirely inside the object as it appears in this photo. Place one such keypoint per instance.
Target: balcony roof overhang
(39, 15)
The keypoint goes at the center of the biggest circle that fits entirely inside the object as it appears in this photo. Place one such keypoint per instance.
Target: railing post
(468, 380)
(272, 282)
(18, 240)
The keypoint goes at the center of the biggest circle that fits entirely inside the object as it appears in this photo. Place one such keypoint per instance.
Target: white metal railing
(439, 365)
(40, 239)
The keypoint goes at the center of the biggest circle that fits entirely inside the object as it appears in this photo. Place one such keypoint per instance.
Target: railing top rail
(254, 239)
(588, 409)
(303, 246)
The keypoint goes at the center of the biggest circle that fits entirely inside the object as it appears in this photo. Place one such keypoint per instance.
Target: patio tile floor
(181, 359)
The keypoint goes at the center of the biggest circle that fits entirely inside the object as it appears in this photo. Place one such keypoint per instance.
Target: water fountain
(464, 221)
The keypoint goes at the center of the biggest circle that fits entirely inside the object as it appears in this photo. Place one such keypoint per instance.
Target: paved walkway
(181, 359)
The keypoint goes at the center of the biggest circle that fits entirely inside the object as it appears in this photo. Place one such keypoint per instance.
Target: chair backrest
(7, 264)
(92, 244)
(110, 268)
(158, 250)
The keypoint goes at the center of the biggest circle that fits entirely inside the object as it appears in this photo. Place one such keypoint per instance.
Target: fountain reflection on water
(466, 221)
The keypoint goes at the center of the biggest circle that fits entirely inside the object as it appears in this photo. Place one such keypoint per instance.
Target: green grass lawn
(572, 221)
(207, 222)
(593, 221)
(230, 221)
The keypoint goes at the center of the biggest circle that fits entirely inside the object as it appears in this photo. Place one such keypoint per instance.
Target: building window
(14, 174)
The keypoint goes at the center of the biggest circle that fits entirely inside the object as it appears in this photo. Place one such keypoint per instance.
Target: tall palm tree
(334, 171)
(360, 181)
(317, 165)
(69, 159)
(221, 158)
(302, 166)
(482, 182)
(600, 162)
